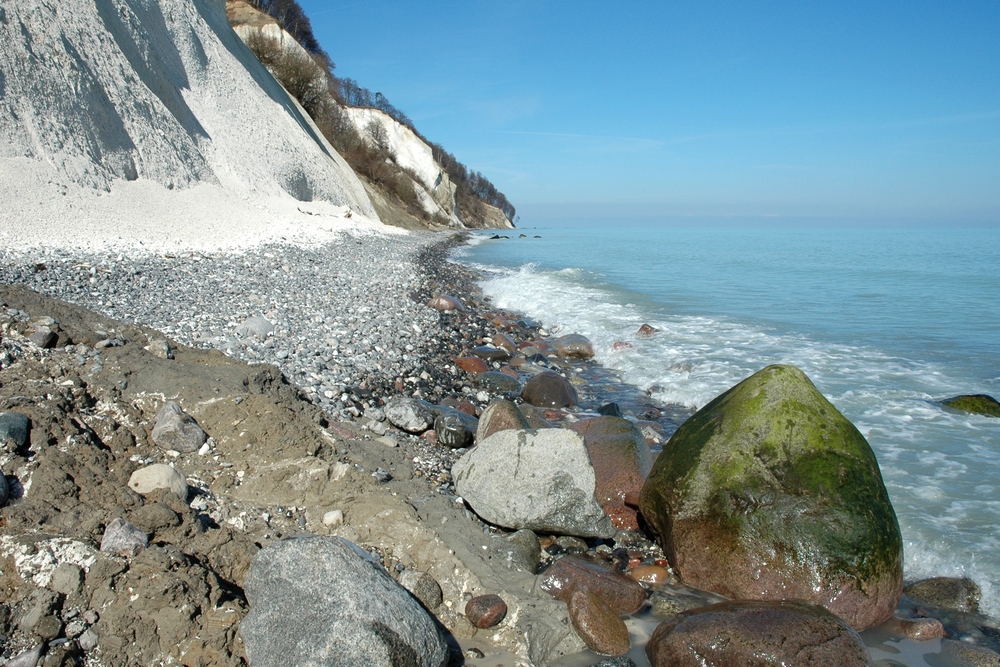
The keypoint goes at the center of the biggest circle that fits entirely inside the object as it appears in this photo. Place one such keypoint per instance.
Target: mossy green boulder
(980, 404)
(769, 493)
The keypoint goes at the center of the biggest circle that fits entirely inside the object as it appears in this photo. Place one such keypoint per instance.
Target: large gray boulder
(323, 602)
(540, 480)
(177, 430)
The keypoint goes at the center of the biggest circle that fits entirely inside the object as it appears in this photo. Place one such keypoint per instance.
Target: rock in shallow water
(954, 594)
(980, 404)
(542, 480)
(573, 346)
(768, 492)
(324, 601)
(756, 633)
(548, 389)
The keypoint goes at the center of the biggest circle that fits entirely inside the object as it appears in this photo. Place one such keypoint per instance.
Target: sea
(886, 320)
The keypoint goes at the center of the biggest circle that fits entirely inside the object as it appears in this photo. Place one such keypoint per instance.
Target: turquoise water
(886, 321)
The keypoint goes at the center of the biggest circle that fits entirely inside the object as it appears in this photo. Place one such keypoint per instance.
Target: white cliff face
(112, 109)
(434, 187)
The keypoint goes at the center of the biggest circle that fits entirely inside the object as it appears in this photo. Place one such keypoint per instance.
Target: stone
(28, 658)
(158, 476)
(333, 518)
(44, 338)
(610, 410)
(498, 383)
(423, 586)
(535, 416)
(490, 354)
(409, 414)
(979, 404)
(541, 480)
(650, 574)
(258, 327)
(88, 640)
(177, 430)
(914, 628)
(621, 459)
(954, 594)
(67, 578)
(473, 365)
(500, 415)
(737, 634)
(446, 303)
(485, 611)
(664, 604)
(548, 389)
(48, 627)
(573, 346)
(768, 492)
(620, 661)
(966, 654)
(159, 347)
(4, 489)
(523, 550)
(646, 331)
(14, 429)
(122, 538)
(455, 428)
(155, 516)
(505, 342)
(596, 597)
(324, 601)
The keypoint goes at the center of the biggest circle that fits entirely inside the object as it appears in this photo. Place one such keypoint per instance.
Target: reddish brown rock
(573, 346)
(505, 342)
(445, 303)
(500, 416)
(507, 370)
(621, 345)
(473, 365)
(596, 597)
(915, 628)
(756, 633)
(550, 390)
(650, 574)
(621, 460)
(485, 611)
(536, 343)
(646, 331)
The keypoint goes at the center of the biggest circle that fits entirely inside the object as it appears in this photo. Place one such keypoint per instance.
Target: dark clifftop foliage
(473, 188)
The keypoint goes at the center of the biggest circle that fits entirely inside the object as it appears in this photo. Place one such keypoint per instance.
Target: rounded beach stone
(423, 586)
(490, 353)
(768, 492)
(650, 574)
(158, 476)
(500, 415)
(177, 430)
(485, 611)
(123, 538)
(409, 414)
(737, 634)
(979, 404)
(505, 342)
(542, 480)
(573, 346)
(455, 428)
(445, 303)
(258, 327)
(471, 364)
(496, 382)
(324, 601)
(548, 389)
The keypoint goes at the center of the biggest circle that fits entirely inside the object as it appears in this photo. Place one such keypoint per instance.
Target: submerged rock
(548, 389)
(979, 404)
(768, 492)
(541, 480)
(954, 594)
(737, 634)
(324, 601)
(573, 346)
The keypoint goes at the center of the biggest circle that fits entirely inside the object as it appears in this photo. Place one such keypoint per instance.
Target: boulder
(596, 597)
(573, 346)
(258, 327)
(548, 389)
(498, 383)
(756, 633)
(541, 480)
(490, 353)
(768, 492)
(500, 415)
(979, 404)
(323, 601)
(646, 331)
(177, 430)
(123, 538)
(621, 460)
(953, 594)
(455, 428)
(14, 429)
(410, 414)
(485, 611)
(158, 476)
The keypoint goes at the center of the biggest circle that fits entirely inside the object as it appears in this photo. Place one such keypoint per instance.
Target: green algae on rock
(979, 404)
(768, 492)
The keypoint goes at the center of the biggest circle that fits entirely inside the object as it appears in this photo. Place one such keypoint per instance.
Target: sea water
(886, 321)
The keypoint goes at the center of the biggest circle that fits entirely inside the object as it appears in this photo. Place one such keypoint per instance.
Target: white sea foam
(938, 465)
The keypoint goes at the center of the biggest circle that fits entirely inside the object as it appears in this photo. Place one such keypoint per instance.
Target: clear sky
(859, 110)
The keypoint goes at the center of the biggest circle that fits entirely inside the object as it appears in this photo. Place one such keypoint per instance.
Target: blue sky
(852, 110)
